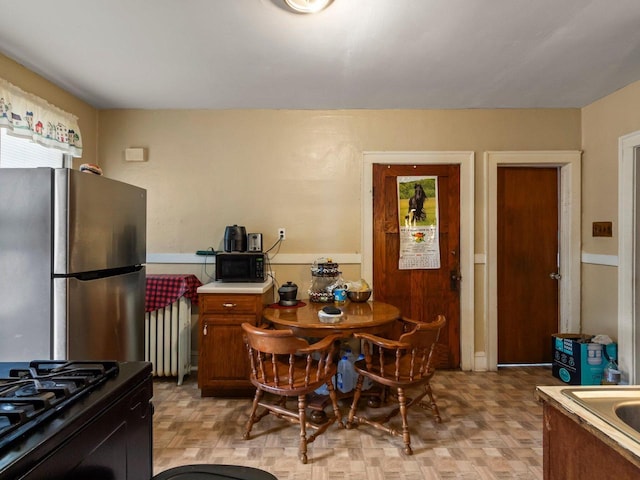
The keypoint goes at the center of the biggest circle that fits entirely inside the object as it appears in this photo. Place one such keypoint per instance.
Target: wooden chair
(397, 365)
(287, 366)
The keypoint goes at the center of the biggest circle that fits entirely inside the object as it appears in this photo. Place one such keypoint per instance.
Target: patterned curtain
(25, 115)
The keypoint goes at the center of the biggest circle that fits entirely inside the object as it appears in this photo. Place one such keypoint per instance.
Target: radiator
(168, 339)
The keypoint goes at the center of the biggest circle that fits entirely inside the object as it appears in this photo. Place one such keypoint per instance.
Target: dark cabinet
(571, 450)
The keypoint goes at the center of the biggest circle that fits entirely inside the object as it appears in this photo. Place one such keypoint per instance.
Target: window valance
(26, 115)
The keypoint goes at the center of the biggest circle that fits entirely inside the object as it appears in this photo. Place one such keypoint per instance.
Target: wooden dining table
(371, 317)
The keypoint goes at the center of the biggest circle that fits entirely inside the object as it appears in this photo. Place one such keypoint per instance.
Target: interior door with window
(421, 294)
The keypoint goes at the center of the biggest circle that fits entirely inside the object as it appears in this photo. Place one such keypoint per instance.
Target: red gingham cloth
(163, 290)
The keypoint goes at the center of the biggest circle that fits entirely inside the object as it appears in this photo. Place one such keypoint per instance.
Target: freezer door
(99, 223)
(25, 264)
(105, 317)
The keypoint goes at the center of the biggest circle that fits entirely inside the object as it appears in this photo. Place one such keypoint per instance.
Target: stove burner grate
(32, 395)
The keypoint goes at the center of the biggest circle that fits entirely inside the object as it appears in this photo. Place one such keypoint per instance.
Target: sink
(617, 406)
(629, 413)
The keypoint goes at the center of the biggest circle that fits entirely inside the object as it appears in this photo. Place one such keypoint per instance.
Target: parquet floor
(491, 429)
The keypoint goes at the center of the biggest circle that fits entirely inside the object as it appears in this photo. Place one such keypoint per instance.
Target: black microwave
(240, 267)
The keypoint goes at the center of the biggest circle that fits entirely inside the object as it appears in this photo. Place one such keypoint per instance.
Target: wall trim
(480, 362)
(597, 259)
(569, 162)
(628, 333)
(279, 259)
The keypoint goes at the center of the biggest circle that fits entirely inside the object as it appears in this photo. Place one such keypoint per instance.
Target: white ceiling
(219, 54)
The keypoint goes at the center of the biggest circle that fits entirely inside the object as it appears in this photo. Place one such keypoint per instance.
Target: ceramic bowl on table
(358, 295)
(330, 318)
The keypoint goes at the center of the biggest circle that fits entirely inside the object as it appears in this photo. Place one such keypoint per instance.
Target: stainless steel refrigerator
(72, 279)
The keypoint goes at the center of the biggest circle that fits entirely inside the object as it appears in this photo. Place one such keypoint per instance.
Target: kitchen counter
(236, 287)
(553, 396)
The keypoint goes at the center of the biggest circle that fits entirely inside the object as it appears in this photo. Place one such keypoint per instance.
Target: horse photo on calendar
(417, 201)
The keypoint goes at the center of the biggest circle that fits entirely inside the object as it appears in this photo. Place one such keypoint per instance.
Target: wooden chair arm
(381, 342)
(321, 345)
(409, 324)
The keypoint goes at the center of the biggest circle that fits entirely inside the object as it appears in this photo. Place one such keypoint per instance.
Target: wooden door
(528, 249)
(420, 294)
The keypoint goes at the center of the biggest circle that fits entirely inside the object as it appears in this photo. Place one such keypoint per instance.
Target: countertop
(236, 287)
(617, 440)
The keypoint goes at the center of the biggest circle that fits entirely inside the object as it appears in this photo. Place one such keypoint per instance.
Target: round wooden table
(371, 317)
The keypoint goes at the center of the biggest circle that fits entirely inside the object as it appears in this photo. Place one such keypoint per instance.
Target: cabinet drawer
(228, 304)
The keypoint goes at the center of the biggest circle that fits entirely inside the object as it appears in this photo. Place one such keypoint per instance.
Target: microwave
(240, 267)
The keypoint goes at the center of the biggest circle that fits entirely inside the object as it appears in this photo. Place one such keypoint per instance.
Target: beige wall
(33, 83)
(603, 123)
(300, 170)
(296, 169)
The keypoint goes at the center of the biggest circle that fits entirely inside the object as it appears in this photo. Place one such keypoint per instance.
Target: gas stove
(75, 419)
(31, 395)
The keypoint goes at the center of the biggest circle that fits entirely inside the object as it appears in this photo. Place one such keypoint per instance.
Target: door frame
(569, 163)
(628, 333)
(466, 162)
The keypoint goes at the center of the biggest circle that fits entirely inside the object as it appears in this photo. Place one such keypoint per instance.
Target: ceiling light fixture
(307, 6)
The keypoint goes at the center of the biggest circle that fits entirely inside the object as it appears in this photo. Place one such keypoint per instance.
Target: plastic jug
(346, 374)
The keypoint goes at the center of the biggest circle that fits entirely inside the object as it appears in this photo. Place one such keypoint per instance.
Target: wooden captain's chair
(398, 365)
(287, 366)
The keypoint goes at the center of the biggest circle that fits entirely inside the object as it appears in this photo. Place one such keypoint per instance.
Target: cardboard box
(576, 361)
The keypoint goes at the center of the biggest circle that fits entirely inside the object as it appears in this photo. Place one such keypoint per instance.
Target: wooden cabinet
(223, 366)
(571, 450)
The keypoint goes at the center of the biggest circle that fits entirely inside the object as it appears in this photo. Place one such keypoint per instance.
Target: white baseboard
(480, 362)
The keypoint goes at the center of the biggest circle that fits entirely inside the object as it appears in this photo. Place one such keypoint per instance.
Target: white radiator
(168, 339)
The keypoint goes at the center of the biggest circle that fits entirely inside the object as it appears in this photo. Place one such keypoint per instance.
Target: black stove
(31, 395)
(77, 419)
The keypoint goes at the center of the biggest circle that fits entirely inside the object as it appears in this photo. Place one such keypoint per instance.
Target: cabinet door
(223, 354)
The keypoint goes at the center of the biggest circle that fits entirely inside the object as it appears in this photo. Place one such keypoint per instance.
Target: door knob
(555, 276)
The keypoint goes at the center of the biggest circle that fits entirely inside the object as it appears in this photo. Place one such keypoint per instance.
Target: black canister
(288, 293)
(235, 239)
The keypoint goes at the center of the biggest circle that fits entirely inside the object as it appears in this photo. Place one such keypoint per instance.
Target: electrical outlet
(282, 234)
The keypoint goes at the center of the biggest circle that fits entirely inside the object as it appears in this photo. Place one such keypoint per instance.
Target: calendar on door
(418, 217)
